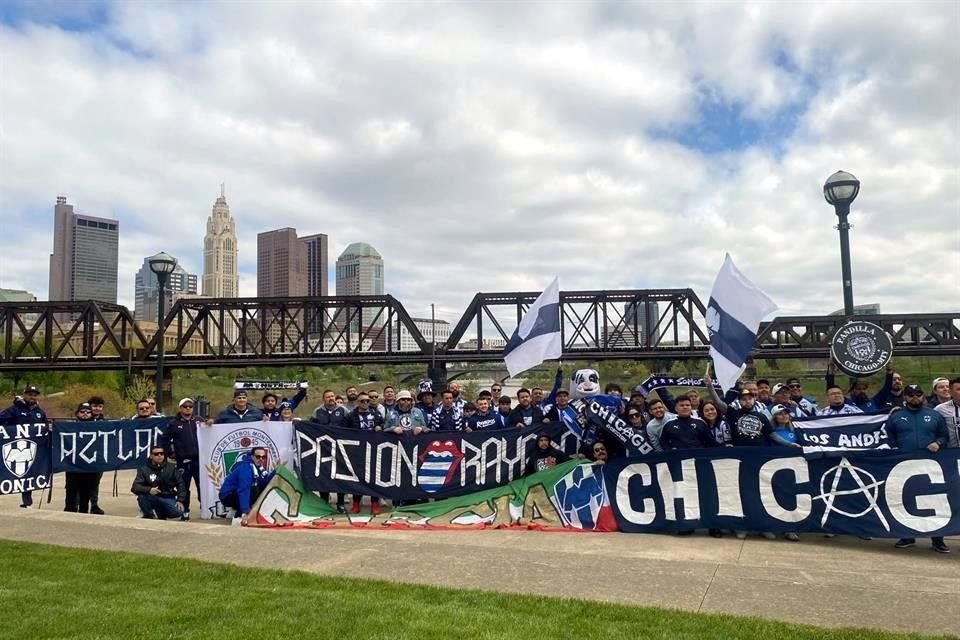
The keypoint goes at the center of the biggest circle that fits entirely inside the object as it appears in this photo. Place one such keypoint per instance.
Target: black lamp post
(840, 190)
(162, 265)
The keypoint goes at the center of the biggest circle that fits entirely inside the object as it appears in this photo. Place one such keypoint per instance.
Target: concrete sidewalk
(830, 582)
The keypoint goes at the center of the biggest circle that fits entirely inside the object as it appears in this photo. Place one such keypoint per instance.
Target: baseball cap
(937, 381)
(793, 381)
(30, 389)
(185, 401)
(778, 408)
(239, 392)
(84, 406)
(777, 388)
(746, 392)
(912, 389)
(404, 395)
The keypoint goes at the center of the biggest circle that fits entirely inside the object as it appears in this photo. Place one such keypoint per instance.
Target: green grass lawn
(52, 592)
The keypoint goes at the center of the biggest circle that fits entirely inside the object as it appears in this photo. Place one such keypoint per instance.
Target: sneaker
(96, 510)
(374, 508)
(766, 535)
(829, 535)
(741, 535)
(26, 506)
(341, 508)
(715, 533)
(792, 537)
(185, 516)
(865, 537)
(905, 543)
(940, 547)
(355, 507)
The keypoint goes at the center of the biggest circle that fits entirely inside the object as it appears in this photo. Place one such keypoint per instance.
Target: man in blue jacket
(239, 411)
(179, 440)
(25, 410)
(917, 427)
(243, 485)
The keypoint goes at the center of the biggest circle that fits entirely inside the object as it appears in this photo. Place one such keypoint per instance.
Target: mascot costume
(598, 416)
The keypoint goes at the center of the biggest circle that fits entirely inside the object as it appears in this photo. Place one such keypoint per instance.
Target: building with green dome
(359, 271)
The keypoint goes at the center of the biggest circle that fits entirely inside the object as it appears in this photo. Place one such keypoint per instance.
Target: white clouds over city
(492, 145)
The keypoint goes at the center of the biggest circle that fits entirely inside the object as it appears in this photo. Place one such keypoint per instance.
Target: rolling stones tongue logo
(438, 463)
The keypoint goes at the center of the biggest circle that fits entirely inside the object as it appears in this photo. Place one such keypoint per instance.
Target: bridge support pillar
(437, 372)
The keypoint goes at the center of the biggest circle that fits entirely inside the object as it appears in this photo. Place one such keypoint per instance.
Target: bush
(65, 405)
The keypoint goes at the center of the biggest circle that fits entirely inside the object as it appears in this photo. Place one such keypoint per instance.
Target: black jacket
(165, 476)
(521, 415)
(748, 428)
(179, 439)
(336, 417)
(686, 433)
(367, 420)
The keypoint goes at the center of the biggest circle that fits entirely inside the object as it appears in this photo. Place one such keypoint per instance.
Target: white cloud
(488, 146)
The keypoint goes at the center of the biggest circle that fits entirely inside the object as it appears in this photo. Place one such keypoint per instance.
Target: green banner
(569, 496)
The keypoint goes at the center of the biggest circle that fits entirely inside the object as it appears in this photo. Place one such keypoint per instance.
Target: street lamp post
(162, 265)
(841, 190)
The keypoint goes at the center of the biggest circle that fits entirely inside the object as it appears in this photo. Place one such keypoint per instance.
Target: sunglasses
(259, 457)
(156, 453)
(496, 389)
(913, 393)
(84, 411)
(364, 400)
(187, 406)
(633, 415)
(143, 408)
(795, 386)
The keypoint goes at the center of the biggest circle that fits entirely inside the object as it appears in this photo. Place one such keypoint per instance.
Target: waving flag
(733, 317)
(538, 336)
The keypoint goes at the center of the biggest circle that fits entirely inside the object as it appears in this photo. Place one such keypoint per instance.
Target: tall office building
(147, 292)
(83, 265)
(281, 264)
(317, 260)
(220, 276)
(359, 271)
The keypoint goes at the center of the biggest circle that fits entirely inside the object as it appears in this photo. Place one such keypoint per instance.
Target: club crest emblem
(18, 456)
(861, 348)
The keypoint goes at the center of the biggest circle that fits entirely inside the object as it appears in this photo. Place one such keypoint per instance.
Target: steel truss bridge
(356, 330)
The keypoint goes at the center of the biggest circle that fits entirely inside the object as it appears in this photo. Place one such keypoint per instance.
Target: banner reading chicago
(430, 465)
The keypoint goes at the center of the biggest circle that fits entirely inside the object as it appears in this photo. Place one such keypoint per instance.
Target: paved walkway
(829, 582)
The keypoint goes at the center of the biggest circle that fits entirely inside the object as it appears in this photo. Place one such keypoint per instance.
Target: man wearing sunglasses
(179, 439)
(159, 487)
(806, 405)
(245, 482)
(917, 427)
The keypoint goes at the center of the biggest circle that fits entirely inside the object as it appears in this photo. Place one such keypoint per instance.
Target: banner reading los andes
(26, 465)
(566, 496)
(848, 432)
(220, 446)
(887, 494)
(105, 445)
(408, 467)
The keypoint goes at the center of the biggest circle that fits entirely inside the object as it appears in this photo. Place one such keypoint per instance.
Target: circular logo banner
(861, 348)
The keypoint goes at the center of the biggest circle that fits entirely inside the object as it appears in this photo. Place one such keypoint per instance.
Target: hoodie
(246, 480)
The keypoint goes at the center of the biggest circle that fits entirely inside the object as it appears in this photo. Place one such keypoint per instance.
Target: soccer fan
(144, 412)
(720, 429)
(448, 416)
(458, 400)
(365, 418)
(659, 416)
(561, 411)
(916, 427)
(389, 401)
(806, 405)
(525, 413)
(239, 411)
(950, 410)
(545, 455)
(837, 404)
(179, 441)
(503, 412)
(271, 404)
(330, 414)
(79, 485)
(748, 427)
(940, 394)
(159, 487)
(25, 410)
(245, 482)
(485, 418)
(495, 390)
(684, 431)
(407, 418)
(425, 401)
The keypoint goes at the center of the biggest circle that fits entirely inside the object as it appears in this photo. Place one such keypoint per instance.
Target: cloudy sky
(488, 146)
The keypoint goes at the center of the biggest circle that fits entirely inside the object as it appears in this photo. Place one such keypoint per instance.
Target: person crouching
(243, 485)
(159, 487)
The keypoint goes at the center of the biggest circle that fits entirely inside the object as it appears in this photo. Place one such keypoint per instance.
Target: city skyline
(83, 263)
(490, 147)
(179, 283)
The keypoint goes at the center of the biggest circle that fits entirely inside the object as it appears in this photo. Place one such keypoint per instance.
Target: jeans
(189, 470)
(165, 508)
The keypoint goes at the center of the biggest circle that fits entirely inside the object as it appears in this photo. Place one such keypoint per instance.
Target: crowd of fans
(754, 413)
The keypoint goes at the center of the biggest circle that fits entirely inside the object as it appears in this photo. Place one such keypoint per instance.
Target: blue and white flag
(733, 317)
(538, 336)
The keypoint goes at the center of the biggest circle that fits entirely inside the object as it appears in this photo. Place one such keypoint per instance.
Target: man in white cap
(940, 394)
(406, 418)
(179, 441)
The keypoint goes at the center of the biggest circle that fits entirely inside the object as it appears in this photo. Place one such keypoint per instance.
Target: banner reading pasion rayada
(222, 444)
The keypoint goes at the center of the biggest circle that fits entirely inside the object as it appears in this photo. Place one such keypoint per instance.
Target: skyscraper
(146, 291)
(281, 264)
(359, 271)
(317, 260)
(220, 276)
(83, 265)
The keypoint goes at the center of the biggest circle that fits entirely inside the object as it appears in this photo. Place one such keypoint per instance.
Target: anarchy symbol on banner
(870, 490)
